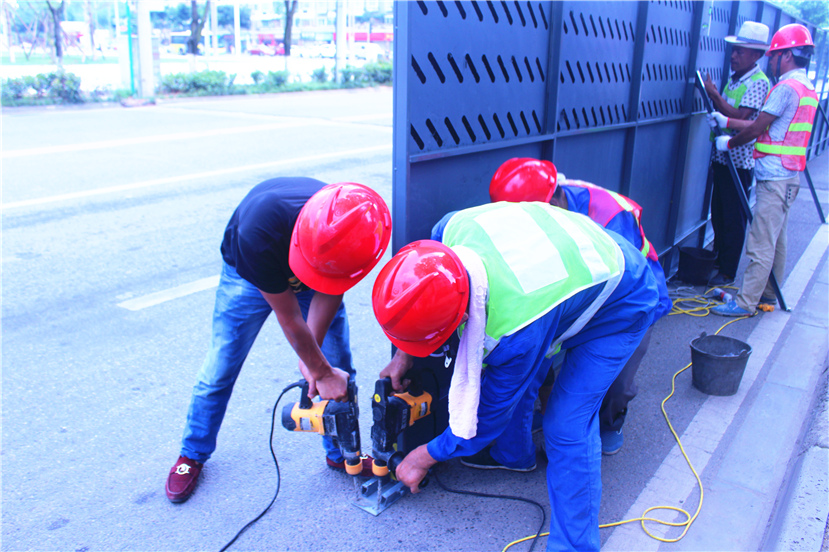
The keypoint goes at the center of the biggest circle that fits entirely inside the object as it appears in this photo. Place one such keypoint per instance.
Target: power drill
(338, 420)
(393, 413)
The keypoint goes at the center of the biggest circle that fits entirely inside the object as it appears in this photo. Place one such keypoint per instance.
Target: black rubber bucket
(695, 265)
(718, 364)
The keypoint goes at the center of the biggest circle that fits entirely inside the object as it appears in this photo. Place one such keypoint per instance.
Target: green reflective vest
(536, 256)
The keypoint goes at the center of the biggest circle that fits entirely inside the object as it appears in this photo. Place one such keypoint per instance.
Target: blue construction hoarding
(603, 89)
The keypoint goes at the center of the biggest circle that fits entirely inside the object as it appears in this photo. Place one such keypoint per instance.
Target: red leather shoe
(340, 466)
(182, 479)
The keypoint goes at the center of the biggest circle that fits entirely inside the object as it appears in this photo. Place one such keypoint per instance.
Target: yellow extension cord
(705, 305)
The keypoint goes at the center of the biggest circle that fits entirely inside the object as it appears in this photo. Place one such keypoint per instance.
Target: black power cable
(479, 494)
(275, 463)
(505, 497)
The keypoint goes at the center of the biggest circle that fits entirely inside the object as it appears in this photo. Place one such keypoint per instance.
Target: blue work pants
(571, 433)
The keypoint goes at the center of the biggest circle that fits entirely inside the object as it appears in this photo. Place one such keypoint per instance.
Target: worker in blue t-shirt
(293, 246)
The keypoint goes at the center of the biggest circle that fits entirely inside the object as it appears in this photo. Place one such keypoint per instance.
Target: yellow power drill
(338, 420)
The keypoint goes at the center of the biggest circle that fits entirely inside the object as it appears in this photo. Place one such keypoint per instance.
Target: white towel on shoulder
(465, 388)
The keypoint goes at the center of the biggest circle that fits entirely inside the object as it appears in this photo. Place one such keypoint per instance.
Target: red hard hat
(523, 179)
(790, 36)
(420, 297)
(339, 236)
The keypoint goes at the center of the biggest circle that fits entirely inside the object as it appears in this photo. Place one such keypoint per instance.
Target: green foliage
(257, 76)
(813, 12)
(56, 87)
(202, 83)
(379, 73)
(352, 77)
(226, 16)
(319, 75)
(277, 79)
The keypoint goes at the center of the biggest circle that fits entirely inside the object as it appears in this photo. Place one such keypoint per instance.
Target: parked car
(266, 50)
(368, 51)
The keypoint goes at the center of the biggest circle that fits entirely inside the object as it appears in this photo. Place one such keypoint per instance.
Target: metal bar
(400, 146)
(635, 95)
(548, 149)
(814, 195)
(673, 214)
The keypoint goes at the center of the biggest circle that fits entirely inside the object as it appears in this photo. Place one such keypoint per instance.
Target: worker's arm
(396, 368)
(306, 338)
(749, 130)
(722, 105)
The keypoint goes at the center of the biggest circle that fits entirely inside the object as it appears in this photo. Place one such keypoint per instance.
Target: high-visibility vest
(792, 150)
(605, 204)
(736, 96)
(536, 257)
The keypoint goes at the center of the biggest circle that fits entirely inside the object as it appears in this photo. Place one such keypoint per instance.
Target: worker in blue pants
(527, 179)
(523, 279)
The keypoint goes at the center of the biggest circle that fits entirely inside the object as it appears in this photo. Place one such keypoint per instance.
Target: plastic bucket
(695, 265)
(718, 364)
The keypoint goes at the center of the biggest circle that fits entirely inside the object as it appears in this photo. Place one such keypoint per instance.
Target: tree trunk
(90, 21)
(290, 9)
(196, 26)
(57, 32)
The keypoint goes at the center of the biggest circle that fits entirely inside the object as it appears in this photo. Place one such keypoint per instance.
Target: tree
(56, 33)
(225, 18)
(816, 13)
(90, 21)
(196, 26)
(290, 9)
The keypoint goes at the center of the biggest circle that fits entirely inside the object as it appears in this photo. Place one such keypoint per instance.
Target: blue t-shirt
(258, 237)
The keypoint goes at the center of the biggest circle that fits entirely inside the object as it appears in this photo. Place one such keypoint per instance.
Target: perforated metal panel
(603, 89)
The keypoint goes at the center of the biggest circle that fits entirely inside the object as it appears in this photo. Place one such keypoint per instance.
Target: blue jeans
(238, 315)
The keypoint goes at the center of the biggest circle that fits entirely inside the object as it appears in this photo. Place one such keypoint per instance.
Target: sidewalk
(761, 454)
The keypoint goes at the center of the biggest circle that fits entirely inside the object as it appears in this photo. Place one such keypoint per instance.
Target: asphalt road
(106, 208)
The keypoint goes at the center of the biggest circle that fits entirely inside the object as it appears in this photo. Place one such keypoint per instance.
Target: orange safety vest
(792, 150)
(604, 205)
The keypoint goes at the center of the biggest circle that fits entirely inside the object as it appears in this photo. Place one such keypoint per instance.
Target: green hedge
(203, 83)
(57, 87)
(62, 87)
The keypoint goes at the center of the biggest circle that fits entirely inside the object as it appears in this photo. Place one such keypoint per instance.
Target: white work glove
(722, 143)
(716, 119)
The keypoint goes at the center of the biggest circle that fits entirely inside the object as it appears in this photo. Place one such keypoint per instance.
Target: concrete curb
(742, 446)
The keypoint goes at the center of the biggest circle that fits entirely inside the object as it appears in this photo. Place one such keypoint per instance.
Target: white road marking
(169, 294)
(186, 177)
(156, 138)
(85, 146)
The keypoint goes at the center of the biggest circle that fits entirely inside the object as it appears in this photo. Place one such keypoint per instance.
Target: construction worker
(742, 99)
(293, 246)
(781, 131)
(524, 279)
(525, 179)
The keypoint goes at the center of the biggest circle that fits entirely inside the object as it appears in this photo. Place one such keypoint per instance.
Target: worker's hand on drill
(333, 386)
(414, 468)
(396, 369)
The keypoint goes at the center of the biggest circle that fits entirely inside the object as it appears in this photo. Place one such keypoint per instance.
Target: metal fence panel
(603, 89)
